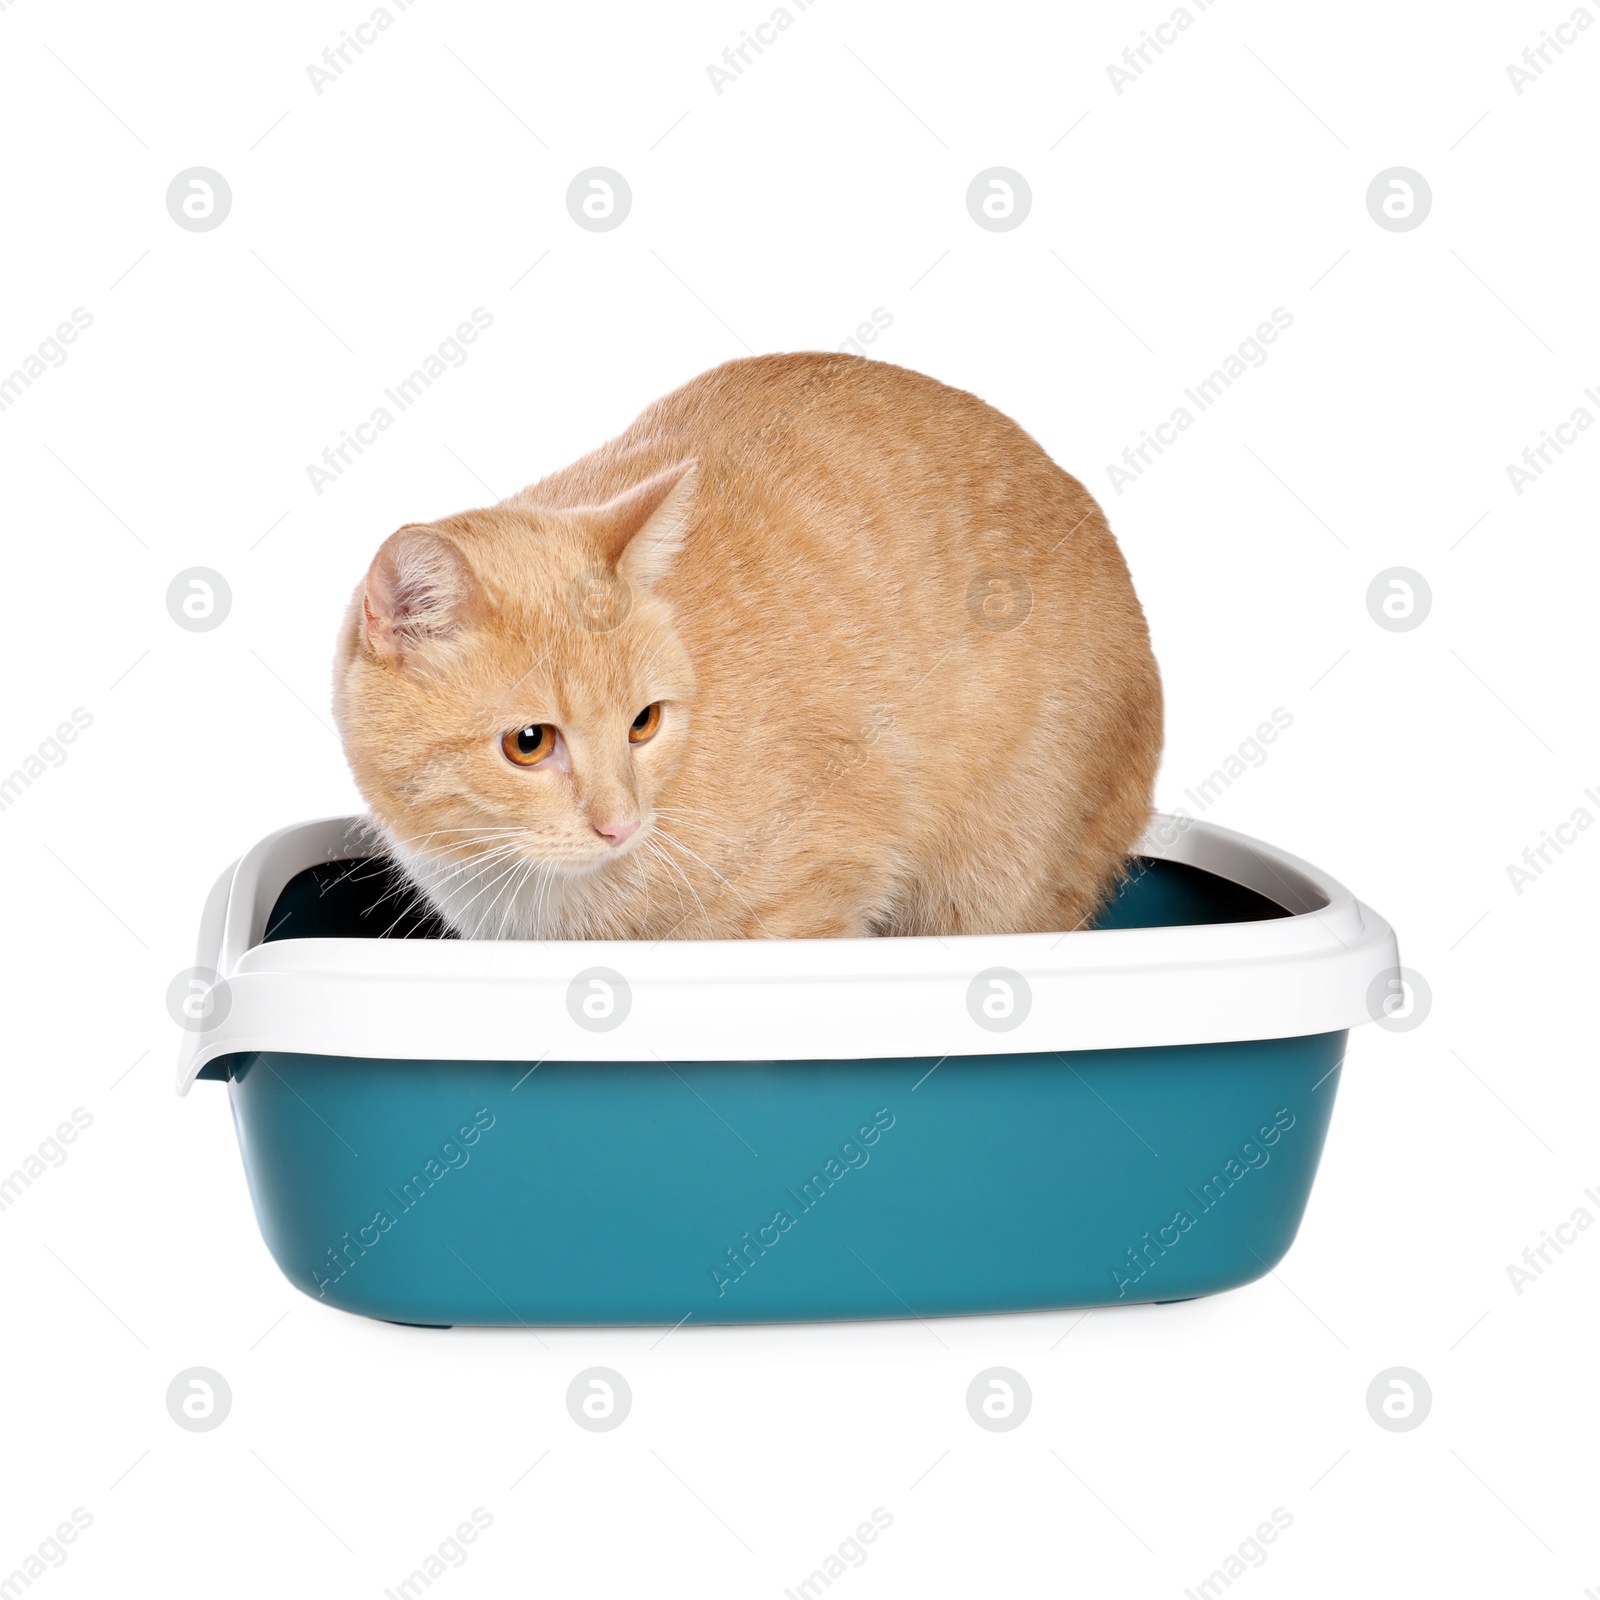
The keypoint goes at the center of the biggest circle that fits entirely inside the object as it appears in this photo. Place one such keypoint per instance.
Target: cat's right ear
(419, 590)
(642, 530)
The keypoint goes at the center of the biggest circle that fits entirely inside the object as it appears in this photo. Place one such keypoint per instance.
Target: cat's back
(836, 422)
(863, 477)
(860, 421)
(783, 397)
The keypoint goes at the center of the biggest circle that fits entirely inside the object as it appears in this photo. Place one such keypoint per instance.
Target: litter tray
(444, 1131)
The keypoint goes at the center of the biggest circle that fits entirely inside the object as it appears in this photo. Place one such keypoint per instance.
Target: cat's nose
(615, 833)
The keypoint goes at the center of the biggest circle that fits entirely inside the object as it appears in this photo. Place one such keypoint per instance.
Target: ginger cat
(817, 648)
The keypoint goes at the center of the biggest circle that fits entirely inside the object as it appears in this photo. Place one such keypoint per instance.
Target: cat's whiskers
(644, 885)
(442, 882)
(672, 866)
(436, 832)
(683, 811)
(419, 899)
(417, 902)
(450, 875)
(539, 888)
(507, 880)
(727, 883)
(522, 903)
(467, 838)
(512, 918)
(422, 882)
(504, 870)
(718, 835)
(541, 895)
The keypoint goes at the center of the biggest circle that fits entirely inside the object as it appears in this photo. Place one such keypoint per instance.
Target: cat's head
(511, 687)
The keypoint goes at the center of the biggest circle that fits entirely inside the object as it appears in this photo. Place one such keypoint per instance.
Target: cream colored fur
(907, 687)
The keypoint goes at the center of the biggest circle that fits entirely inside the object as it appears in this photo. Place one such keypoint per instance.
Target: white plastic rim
(1312, 971)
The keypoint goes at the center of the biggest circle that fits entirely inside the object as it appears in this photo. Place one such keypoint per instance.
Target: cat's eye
(645, 724)
(527, 747)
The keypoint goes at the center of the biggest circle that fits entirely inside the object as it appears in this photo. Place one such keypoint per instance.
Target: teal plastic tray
(528, 1192)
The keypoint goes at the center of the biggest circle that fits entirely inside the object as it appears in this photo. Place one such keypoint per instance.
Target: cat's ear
(419, 589)
(642, 530)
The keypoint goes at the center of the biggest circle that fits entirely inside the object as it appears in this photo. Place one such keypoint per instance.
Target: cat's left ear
(641, 531)
(419, 591)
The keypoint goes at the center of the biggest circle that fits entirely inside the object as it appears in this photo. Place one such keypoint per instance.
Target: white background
(828, 180)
